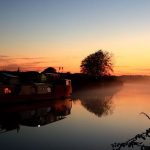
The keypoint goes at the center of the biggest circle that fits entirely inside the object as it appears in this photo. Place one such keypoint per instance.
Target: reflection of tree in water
(99, 105)
(98, 101)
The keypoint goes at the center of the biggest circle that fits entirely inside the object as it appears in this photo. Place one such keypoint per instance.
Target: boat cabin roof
(8, 75)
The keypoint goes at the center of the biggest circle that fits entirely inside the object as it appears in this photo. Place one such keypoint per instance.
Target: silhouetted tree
(49, 70)
(98, 63)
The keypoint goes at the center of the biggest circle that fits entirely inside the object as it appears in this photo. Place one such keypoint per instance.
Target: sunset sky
(35, 34)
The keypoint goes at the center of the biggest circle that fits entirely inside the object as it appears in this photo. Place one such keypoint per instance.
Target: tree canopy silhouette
(98, 63)
(49, 70)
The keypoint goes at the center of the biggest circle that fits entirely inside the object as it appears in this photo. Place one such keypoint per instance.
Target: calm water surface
(92, 120)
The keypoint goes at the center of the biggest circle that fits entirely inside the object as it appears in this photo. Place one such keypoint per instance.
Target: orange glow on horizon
(124, 64)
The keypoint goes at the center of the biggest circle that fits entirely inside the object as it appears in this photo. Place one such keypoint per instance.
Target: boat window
(7, 90)
(49, 89)
(67, 82)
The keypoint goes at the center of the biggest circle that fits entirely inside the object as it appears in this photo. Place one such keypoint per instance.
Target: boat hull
(58, 92)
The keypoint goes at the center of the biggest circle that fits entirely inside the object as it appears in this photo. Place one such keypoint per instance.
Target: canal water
(92, 119)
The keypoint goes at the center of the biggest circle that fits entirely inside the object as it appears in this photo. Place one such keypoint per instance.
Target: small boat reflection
(33, 115)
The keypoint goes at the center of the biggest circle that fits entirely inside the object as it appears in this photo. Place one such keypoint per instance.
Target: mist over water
(97, 117)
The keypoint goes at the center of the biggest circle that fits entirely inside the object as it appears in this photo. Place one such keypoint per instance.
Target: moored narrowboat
(15, 91)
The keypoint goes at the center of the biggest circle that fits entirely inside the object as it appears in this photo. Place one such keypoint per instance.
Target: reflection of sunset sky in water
(132, 100)
(125, 121)
(83, 129)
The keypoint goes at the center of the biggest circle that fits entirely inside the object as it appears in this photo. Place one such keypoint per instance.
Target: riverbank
(80, 81)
